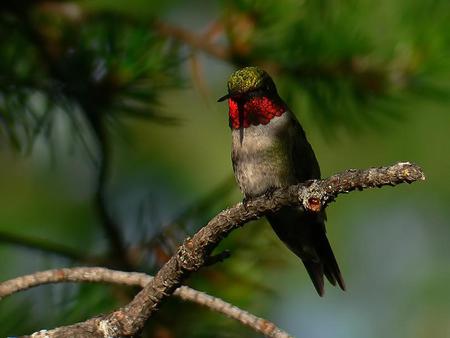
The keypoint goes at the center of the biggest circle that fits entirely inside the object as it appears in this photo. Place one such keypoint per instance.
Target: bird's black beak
(223, 98)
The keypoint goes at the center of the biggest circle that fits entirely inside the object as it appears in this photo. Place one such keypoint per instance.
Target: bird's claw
(269, 192)
(245, 202)
(309, 182)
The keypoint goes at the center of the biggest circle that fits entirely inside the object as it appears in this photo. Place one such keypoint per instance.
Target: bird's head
(252, 98)
(248, 82)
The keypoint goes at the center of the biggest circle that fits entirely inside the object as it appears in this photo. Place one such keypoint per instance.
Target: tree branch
(103, 275)
(100, 93)
(193, 253)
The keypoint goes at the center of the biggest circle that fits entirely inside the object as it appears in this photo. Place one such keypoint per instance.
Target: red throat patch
(256, 111)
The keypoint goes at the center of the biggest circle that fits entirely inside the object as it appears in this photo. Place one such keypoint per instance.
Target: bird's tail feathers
(315, 272)
(328, 261)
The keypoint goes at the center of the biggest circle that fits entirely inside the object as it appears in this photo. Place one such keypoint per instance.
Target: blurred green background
(113, 149)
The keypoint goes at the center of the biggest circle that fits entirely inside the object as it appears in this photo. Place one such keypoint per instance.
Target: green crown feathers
(246, 79)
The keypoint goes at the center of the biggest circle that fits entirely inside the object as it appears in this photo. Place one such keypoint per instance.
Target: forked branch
(194, 252)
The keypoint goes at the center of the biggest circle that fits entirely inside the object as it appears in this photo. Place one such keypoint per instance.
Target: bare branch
(83, 274)
(193, 253)
(103, 275)
(258, 324)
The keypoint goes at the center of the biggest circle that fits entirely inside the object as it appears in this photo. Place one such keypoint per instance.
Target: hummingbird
(270, 151)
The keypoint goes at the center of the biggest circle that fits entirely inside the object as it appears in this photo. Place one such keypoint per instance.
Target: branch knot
(188, 257)
(311, 197)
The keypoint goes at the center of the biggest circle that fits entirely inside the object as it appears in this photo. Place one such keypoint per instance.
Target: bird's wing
(305, 162)
(306, 168)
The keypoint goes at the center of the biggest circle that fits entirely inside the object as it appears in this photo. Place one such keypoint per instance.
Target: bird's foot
(269, 192)
(246, 201)
(309, 182)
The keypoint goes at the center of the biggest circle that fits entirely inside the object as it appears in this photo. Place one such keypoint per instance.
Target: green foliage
(334, 62)
(94, 66)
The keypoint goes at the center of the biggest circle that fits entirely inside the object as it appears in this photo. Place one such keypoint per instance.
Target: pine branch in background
(326, 56)
(88, 70)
